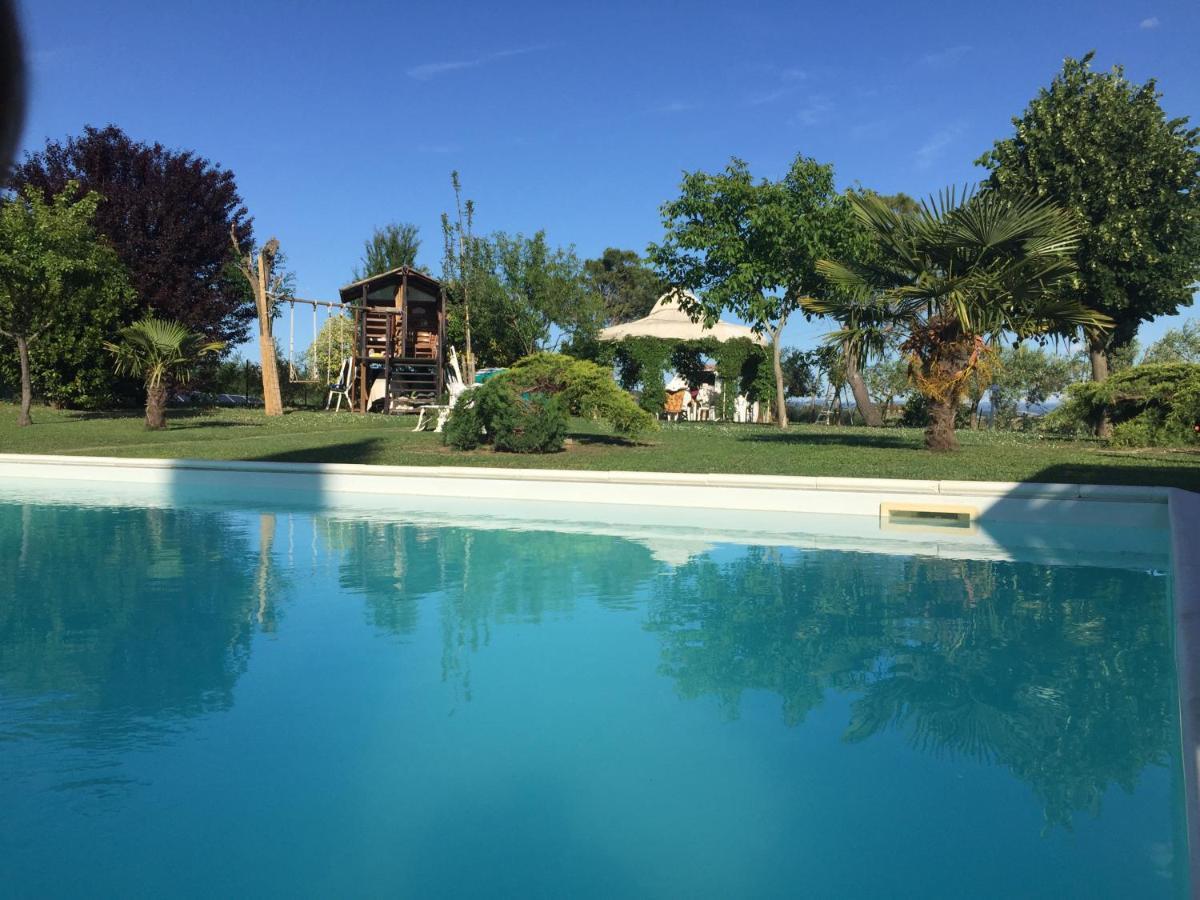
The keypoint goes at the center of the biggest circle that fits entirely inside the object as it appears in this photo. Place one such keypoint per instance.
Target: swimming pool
(208, 695)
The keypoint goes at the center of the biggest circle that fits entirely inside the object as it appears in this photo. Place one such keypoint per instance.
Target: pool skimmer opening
(939, 518)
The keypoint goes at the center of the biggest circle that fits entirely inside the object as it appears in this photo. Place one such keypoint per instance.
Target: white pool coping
(1136, 508)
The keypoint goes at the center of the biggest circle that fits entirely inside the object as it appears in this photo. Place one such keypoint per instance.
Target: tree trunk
(23, 418)
(1099, 358)
(156, 406)
(939, 435)
(272, 399)
(781, 416)
(862, 399)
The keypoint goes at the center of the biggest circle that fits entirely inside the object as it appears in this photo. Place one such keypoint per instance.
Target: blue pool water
(224, 701)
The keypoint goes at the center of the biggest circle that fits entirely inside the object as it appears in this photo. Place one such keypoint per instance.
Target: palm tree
(948, 282)
(159, 351)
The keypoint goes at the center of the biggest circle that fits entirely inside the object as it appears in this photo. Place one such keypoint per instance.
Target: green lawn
(685, 447)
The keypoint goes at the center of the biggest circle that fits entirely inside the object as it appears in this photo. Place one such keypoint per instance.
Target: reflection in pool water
(222, 701)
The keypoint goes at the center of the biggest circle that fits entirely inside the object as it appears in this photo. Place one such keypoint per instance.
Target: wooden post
(259, 279)
(362, 347)
(441, 346)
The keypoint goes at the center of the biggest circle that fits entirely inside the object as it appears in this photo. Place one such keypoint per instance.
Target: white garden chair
(342, 387)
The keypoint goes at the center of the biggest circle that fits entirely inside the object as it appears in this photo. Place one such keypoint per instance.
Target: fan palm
(159, 351)
(948, 281)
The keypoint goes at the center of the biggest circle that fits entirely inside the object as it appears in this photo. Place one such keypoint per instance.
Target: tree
(55, 272)
(951, 281)
(1177, 345)
(390, 247)
(168, 215)
(801, 376)
(627, 287)
(268, 283)
(159, 352)
(1029, 375)
(458, 266)
(542, 288)
(523, 291)
(887, 379)
(752, 247)
(1102, 147)
(332, 344)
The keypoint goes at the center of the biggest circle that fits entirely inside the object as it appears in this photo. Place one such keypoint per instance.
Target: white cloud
(675, 106)
(788, 83)
(814, 111)
(945, 57)
(426, 71)
(1147, 24)
(929, 152)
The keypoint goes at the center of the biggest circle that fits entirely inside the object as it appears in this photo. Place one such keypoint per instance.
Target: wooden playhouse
(400, 340)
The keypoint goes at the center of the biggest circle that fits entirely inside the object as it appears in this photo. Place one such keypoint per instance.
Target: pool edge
(1184, 511)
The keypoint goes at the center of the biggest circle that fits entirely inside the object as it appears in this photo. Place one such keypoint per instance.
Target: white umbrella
(670, 322)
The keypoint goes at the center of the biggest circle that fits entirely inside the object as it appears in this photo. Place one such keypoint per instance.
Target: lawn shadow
(366, 451)
(1186, 477)
(874, 438)
(585, 439)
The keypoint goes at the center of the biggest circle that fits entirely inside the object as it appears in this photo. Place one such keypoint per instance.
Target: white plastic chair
(342, 387)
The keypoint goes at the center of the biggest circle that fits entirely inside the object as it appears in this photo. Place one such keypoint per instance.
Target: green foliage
(644, 361)
(520, 422)
(801, 375)
(64, 291)
(752, 246)
(390, 247)
(1150, 405)
(464, 429)
(1103, 148)
(915, 413)
(585, 388)
(1181, 345)
(627, 287)
(157, 351)
(524, 409)
(1030, 375)
(887, 380)
(521, 291)
(951, 280)
(333, 343)
(742, 365)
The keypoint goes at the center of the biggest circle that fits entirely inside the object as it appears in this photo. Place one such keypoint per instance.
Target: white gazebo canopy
(670, 322)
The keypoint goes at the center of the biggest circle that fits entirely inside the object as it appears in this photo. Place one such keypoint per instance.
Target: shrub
(524, 422)
(586, 390)
(1150, 405)
(524, 409)
(464, 429)
(916, 413)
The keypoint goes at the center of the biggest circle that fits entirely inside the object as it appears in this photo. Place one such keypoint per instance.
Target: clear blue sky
(337, 117)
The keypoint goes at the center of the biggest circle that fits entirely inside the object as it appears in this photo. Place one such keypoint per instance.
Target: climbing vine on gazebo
(743, 366)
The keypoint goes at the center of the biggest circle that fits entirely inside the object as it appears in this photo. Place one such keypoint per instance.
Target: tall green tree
(390, 247)
(56, 275)
(752, 246)
(1101, 146)
(627, 286)
(951, 281)
(159, 352)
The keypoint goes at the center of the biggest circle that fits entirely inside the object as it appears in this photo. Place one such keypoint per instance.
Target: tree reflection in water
(477, 578)
(117, 624)
(1061, 675)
